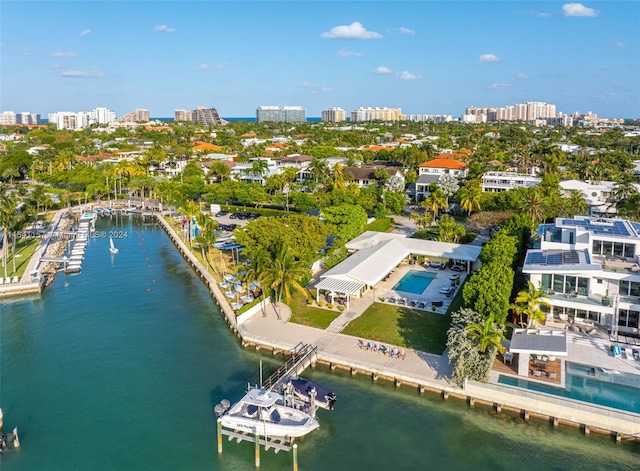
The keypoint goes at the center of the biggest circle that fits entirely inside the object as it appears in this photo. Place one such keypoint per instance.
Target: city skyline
(423, 57)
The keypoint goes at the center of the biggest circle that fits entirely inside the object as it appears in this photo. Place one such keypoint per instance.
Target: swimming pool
(414, 281)
(585, 383)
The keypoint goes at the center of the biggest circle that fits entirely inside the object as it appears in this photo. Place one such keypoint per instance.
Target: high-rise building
(139, 115)
(288, 114)
(529, 112)
(334, 115)
(69, 120)
(101, 116)
(371, 114)
(7, 117)
(294, 114)
(182, 115)
(206, 116)
(27, 118)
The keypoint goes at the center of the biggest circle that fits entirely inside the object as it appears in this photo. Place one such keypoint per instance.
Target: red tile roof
(445, 163)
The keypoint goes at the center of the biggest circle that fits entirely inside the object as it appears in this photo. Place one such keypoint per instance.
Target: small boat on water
(264, 412)
(112, 247)
(302, 390)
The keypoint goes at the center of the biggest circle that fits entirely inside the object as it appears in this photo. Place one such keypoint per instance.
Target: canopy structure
(546, 342)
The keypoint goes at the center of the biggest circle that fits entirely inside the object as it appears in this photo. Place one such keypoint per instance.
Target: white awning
(340, 285)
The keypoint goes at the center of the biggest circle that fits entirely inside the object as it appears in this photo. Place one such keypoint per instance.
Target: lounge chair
(551, 375)
(391, 299)
(617, 351)
(537, 373)
(16, 279)
(636, 355)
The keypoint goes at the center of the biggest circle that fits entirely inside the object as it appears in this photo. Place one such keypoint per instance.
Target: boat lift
(302, 356)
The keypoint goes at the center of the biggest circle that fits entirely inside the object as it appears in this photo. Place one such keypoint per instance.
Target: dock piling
(219, 437)
(295, 457)
(257, 450)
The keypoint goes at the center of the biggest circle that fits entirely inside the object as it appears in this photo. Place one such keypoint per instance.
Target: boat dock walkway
(302, 356)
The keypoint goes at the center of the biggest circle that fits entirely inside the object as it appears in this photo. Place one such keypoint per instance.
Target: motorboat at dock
(267, 413)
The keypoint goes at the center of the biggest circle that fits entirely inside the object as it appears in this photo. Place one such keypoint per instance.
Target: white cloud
(489, 58)
(382, 70)
(163, 29)
(220, 66)
(92, 73)
(348, 53)
(619, 44)
(407, 31)
(498, 86)
(314, 89)
(404, 75)
(65, 54)
(522, 76)
(577, 9)
(354, 31)
(84, 32)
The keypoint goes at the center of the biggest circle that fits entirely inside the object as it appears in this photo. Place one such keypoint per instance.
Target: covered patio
(340, 287)
(537, 351)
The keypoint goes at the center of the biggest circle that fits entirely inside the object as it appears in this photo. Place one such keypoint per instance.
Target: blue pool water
(414, 282)
(584, 383)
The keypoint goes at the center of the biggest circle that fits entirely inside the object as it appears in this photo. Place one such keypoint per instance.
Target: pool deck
(384, 290)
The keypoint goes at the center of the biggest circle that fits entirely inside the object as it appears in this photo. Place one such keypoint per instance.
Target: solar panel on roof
(570, 256)
(536, 258)
(554, 259)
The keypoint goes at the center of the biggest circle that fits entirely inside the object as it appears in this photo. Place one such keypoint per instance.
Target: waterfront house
(589, 270)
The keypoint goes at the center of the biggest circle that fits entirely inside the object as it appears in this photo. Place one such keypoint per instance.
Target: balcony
(579, 301)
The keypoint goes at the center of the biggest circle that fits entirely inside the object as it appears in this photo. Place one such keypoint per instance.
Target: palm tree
(190, 209)
(8, 215)
(534, 206)
(436, 202)
(422, 220)
(533, 299)
(470, 198)
(319, 169)
(284, 275)
(486, 334)
(259, 168)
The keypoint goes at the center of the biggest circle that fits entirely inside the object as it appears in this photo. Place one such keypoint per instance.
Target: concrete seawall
(228, 313)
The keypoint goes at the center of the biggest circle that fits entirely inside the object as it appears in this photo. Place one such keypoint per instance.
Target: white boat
(112, 248)
(264, 412)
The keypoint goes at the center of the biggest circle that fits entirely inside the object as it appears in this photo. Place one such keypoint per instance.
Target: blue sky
(426, 57)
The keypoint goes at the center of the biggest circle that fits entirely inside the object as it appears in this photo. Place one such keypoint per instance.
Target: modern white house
(589, 270)
(244, 171)
(596, 194)
(376, 254)
(495, 182)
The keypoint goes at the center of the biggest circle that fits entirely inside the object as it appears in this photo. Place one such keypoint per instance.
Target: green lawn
(402, 326)
(25, 248)
(302, 313)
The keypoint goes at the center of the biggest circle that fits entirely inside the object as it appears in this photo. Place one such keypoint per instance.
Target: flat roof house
(588, 268)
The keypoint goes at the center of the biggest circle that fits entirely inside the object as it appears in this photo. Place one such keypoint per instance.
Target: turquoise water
(414, 281)
(99, 373)
(584, 383)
